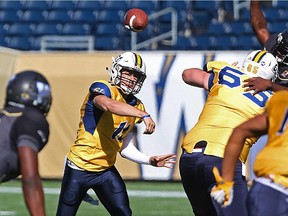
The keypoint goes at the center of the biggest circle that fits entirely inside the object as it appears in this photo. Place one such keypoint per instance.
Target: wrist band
(145, 116)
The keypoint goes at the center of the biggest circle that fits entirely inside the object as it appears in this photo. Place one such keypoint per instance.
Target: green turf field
(146, 198)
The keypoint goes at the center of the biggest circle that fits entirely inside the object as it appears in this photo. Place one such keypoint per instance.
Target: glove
(222, 192)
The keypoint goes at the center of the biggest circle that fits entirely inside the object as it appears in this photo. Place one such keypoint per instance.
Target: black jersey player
(24, 131)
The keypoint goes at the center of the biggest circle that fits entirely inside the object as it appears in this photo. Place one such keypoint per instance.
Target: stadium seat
(19, 43)
(282, 4)
(106, 43)
(35, 43)
(116, 5)
(33, 16)
(283, 15)
(147, 6)
(215, 29)
(76, 29)
(240, 28)
(3, 41)
(281, 26)
(183, 43)
(88, 5)
(3, 29)
(177, 5)
(200, 18)
(9, 16)
(271, 14)
(39, 4)
(226, 43)
(108, 29)
(110, 16)
(63, 5)
(11, 5)
(85, 16)
(245, 15)
(47, 29)
(20, 29)
(245, 43)
(201, 42)
(59, 16)
(211, 6)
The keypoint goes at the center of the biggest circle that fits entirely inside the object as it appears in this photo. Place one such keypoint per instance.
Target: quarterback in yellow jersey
(108, 115)
(227, 106)
(269, 192)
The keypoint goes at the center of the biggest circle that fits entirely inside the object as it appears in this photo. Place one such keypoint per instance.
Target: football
(135, 20)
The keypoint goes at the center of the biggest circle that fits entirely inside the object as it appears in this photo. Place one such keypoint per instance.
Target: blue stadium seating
(183, 43)
(39, 4)
(106, 43)
(3, 41)
(88, 5)
(110, 16)
(281, 4)
(3, 30)
(281, 26)
(108, 29)
(20, 29)
(19, 42)
(33, 16)
(47, 29)
(9, 16)
(55, 17)
(116, 5)
(62, 5)
(85, 16)
(177, 5)
(11, 5)
(59, 16)
(76, 29)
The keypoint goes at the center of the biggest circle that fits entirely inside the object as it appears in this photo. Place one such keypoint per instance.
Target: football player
(277, 44)
(24, 131)
(108, 114)
(227, 106)
(268, 194)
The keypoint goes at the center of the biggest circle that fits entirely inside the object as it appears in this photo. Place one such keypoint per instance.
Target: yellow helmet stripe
(257, 58)
(138, 59)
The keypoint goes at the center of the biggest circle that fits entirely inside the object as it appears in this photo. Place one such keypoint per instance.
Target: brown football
(135, 20)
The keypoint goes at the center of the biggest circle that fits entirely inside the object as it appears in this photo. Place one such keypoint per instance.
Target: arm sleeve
(130, 152)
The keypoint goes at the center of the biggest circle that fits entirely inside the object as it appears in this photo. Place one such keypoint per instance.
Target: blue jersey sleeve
(100, 88)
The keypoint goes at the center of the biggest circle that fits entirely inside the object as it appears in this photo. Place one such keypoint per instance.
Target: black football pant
(108, 185)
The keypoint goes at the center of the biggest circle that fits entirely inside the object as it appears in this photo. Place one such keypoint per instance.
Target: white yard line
(132, 193)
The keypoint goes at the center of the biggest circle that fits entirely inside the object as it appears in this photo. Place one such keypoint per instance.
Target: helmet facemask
(280, 49)
(129, 84)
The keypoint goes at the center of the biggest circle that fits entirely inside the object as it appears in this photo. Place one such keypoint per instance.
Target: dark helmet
(29, 88)
(280, 49)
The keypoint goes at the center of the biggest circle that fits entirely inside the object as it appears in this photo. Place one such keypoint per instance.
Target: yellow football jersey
(272, 159)
(100, 134)
(227, 106)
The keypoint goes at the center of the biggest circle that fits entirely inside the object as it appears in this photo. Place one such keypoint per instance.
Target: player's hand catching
(257, 84)
(150, 125)
(167, 160)
(222, 192)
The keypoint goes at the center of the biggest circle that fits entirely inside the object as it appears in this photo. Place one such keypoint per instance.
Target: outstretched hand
(167, 160)
(257, 84)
